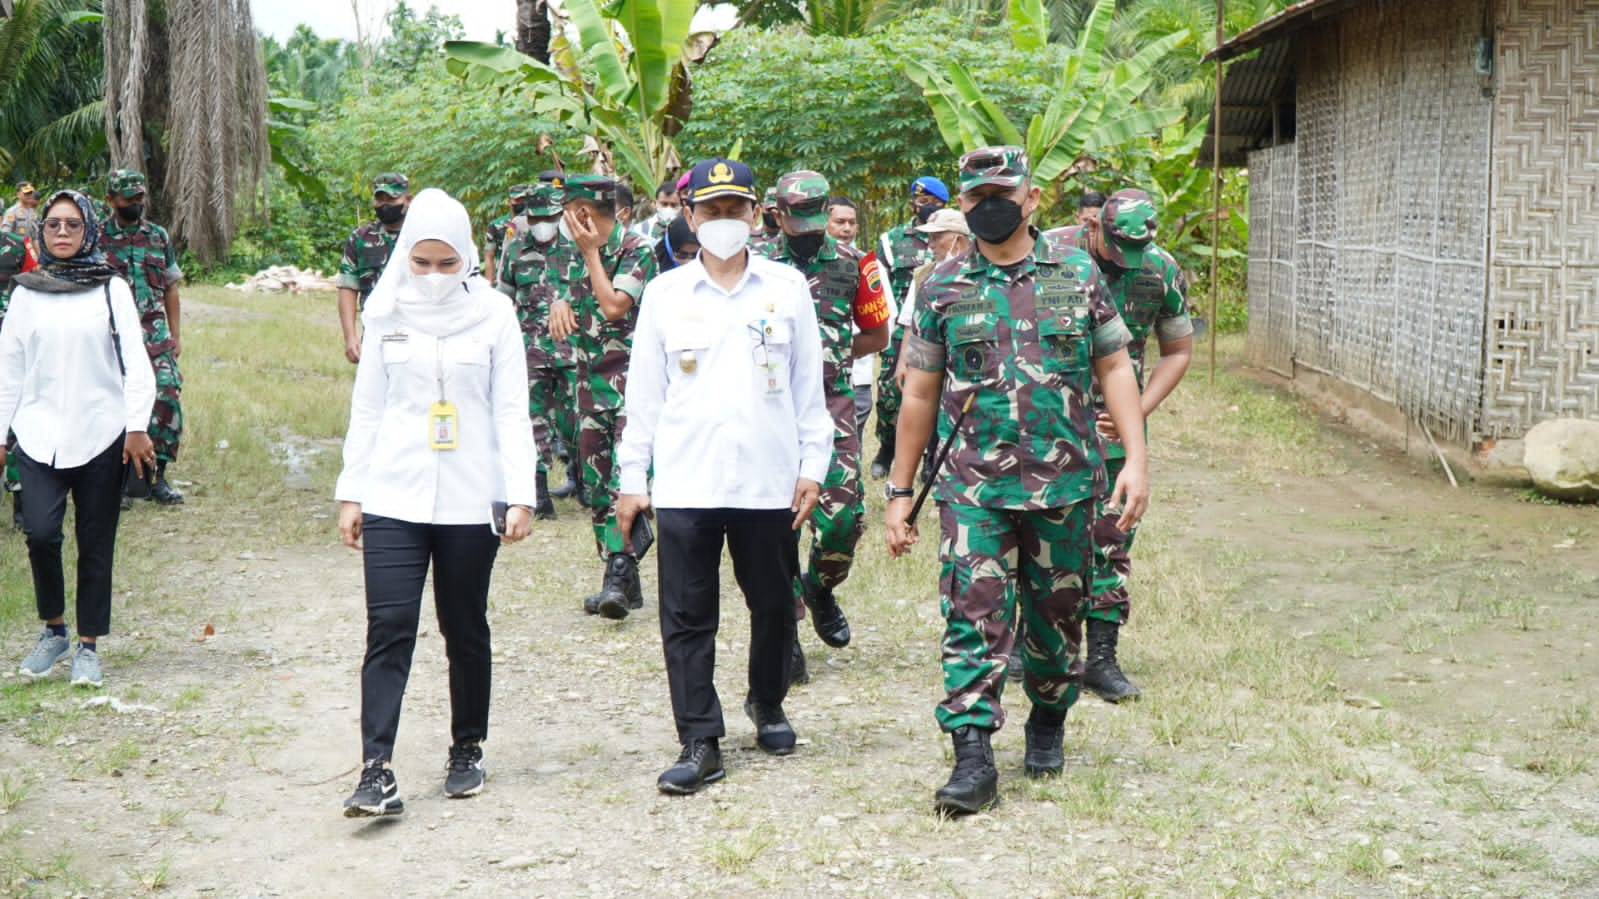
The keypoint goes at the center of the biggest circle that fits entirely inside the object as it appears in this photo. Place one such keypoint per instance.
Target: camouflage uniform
(1150, 297)
(13, 252)
(1017, 491)
(366, 251)
(550, 363)
(143, 253)
(498, 234)
(847, 290)
(601, 349)
(901, 252)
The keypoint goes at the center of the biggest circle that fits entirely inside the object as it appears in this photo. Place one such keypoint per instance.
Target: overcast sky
(337, 18)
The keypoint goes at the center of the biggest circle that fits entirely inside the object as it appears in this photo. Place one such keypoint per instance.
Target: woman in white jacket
(76, 386)
(439, 432)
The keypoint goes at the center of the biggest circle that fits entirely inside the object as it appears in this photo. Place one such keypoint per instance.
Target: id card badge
(442, 426)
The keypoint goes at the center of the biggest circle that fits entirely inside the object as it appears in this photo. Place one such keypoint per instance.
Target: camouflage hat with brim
(1128, 223)
(126, 183)
(392, 183)
(594, 188)
(544, 199)
(802, 199)
(1005, 166)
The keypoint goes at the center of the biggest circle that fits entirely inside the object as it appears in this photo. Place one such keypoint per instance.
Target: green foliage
(414, 40)
(843, 107)
(50, 118)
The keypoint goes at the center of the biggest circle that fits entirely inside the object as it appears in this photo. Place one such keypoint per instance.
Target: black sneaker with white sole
(464, 775)
(376, 795)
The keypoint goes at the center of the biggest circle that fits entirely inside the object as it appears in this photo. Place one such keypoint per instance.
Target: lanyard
(438, 356)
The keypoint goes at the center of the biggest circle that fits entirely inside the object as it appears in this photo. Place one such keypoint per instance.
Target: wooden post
(1215, 201)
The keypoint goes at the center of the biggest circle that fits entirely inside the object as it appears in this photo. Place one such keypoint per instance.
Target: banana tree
(618, 74)
(1097, 105)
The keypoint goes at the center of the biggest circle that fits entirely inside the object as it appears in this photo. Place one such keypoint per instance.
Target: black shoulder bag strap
(116, 340)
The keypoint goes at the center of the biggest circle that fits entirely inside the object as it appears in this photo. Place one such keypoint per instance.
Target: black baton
(938, 461)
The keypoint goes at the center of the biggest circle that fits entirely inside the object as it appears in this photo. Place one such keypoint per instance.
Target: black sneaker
(376, 795)
(699, 764)
(464, 775)
(773, 733)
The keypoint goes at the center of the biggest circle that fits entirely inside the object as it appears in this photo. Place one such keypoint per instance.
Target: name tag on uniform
(396, 337)
(442, 426)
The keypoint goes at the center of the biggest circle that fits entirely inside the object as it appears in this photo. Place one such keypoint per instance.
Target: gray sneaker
(86, 668)
(49, 650)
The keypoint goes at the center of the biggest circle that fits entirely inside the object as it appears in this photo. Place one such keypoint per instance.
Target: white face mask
(434, 286)
(565, 231)
(544, 232)
(723, 238)
(666, 214)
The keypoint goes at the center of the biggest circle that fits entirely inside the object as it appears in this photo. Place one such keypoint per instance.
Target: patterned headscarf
(86, 268)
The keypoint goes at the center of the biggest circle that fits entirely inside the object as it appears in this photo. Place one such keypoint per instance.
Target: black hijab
(678, 234)
(86, 268)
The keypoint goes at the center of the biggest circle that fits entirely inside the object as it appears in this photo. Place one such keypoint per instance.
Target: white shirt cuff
(633, 480)
(814, 469)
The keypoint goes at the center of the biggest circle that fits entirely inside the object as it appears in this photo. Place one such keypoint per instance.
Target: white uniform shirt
(389, 466)
(724, 391)
(61, 388)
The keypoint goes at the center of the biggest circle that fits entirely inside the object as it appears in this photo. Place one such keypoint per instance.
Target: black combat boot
(797, 672)
(621, 583)
(884, 460)
(826, 616)
(545, 510)
(161, 491)
(1046, 730)
(570, 487)
(1102, 675)
(591, 603)
(974, 784)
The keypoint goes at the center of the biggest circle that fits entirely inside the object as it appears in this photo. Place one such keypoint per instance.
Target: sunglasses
(66, 226)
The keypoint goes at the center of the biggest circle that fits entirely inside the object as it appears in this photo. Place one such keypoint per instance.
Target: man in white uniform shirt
(724, 397)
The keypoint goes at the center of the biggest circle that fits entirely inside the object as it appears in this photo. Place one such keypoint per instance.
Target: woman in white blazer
(439, 434)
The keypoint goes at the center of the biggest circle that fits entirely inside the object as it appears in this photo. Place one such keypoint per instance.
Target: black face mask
(806, 246)
(923, 213)
(390, 214)
(518, 208)
(995, 219)
(131, 212)
(769, 220)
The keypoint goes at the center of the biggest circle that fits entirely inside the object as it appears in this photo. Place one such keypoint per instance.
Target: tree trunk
(533, 29)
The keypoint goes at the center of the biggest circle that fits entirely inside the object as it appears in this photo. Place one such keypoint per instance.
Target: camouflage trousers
(997, 564)
(166, 417)
(840, 517)
(552, 404)
(598, 430)
(1113, 562)
(888, 394)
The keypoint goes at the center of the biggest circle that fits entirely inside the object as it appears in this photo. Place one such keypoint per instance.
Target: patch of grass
(737, 853)
(13, 789)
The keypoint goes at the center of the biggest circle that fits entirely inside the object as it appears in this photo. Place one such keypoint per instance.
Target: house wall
(1543, 317)
(1389, 201)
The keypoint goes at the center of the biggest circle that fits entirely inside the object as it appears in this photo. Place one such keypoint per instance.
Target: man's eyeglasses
(67, 226)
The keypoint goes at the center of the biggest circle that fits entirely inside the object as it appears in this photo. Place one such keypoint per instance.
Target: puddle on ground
(298, 454)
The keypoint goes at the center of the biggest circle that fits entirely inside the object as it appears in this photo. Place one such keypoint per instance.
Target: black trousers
(396, 564)
(96, 488)
(765, 551)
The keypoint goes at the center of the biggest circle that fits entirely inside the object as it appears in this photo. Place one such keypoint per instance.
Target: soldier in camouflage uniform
(770, 231)
(1150, 291)
(13, 254)
(501, 230)
(143, 253)
(901, 251)
(600, 274)
(550, 363)
(366, 252)
(848, 290)
(1013, 333)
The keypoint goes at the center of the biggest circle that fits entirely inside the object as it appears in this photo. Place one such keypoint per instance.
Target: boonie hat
(126, 183)
(1128, 223)
(1005, 166)
(930, 186)
(802, 198)
(392, 183)
(946, 219)
(712, 178)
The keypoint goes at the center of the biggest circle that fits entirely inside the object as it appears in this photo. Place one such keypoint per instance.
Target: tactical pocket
(973, 348)
(1063, 343)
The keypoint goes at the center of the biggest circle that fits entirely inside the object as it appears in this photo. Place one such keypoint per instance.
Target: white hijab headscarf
(434, 215)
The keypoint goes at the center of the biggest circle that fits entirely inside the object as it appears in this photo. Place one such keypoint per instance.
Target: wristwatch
(891, 492)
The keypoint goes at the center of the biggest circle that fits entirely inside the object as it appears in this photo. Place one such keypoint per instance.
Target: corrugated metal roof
(1274, 29)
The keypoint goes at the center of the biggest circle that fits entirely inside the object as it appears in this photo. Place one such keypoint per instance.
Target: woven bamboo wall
(1390, 181)
(1543, 317)
(1271, 258)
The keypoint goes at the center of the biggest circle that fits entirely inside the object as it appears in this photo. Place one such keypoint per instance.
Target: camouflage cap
(769, 200)
(594, 188)
(519, 192)
(544, 199)
(802, 199)
(392, 183)
(1128, 223)
(1005, 166)
(126, 183)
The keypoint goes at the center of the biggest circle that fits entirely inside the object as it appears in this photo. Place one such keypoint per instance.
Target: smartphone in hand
(642, 535)
(497, 513)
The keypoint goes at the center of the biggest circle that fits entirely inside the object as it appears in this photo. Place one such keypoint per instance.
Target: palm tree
(49, 103)
(186, 99)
